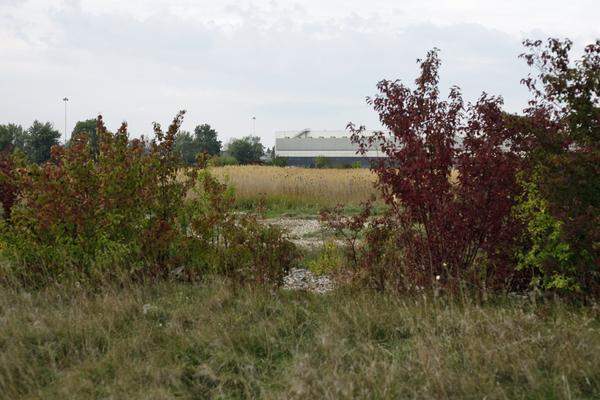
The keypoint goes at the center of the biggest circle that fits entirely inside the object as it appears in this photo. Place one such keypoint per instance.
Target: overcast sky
(293, 65)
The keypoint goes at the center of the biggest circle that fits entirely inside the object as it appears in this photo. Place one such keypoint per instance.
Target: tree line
(36, 142)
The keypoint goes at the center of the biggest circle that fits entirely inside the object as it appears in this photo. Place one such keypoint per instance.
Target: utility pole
(253, 126)
(65, 100)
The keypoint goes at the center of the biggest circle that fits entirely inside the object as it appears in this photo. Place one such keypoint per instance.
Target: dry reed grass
(322, 187)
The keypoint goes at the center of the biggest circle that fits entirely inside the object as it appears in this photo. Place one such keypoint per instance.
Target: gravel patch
(303, 233)
(303, 279)
(307, 233)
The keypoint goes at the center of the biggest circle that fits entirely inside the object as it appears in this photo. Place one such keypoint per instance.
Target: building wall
(365, 162)
(338, 150)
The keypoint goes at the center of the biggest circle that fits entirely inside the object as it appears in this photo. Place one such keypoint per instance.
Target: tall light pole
(65, 100)
(253, 126)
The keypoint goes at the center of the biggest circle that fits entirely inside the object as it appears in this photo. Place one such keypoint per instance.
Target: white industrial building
(301, 148)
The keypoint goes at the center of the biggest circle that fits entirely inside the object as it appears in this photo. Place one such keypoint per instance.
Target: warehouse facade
(302, 148)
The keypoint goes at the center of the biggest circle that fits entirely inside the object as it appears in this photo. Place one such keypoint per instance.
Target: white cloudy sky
(293, 64)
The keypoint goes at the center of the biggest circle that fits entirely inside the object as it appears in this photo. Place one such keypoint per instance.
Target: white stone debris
(303, 279)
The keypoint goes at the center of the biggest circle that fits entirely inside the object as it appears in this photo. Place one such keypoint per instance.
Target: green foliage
(204, 140)
(84, 220)
(356, 165)
(39, 139)
(11, 135)
(126, 216)
(221, 161)
(231, 244)
(547, 255)
(329, 261)
(89, 128)
(185, 147)
(247, 150)
(563, 125)
(322, 162)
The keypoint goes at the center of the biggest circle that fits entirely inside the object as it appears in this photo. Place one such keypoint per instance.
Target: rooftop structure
(301, 148)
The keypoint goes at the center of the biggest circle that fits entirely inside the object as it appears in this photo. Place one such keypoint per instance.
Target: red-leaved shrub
(449, 181)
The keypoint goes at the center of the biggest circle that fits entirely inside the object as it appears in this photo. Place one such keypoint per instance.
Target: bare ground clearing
(303, 232)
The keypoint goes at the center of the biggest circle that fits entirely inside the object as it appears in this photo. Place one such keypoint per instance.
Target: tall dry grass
(298, 186)
(201, 342)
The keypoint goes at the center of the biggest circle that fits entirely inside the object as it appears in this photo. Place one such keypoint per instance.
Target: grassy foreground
(177, 340)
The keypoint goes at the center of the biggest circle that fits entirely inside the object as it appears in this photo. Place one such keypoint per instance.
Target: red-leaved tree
(449, 179)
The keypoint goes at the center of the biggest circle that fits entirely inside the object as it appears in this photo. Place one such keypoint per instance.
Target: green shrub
(126, 216)
(551, 259)
(329, 261)
(234, 244)
(562, 124)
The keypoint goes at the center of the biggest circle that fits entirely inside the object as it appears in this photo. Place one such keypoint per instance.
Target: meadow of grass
(175, 340)
(297, 190)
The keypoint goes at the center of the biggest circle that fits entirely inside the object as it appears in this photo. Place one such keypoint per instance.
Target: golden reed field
(323, 187)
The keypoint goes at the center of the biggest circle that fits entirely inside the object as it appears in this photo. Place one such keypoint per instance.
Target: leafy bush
(329, 261)
(125, 216)
(551, 259)
(233, 244)
(371, 249)
(563, 182)
(439, 231)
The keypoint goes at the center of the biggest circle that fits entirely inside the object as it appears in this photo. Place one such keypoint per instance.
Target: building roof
(308, 143)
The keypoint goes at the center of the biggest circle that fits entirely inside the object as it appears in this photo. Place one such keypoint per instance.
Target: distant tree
(186, 147)
(88, 127)
(39, 138)
(247, 150)
(11, 134)
(322, 162)
(206, 140)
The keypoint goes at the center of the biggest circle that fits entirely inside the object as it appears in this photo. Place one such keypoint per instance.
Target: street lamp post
(253, 126)
(65, 99)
